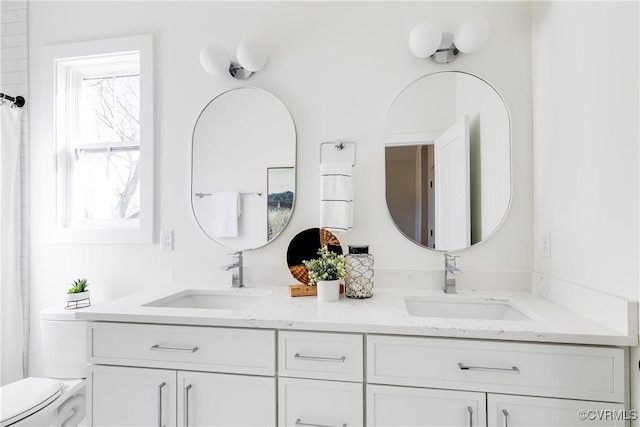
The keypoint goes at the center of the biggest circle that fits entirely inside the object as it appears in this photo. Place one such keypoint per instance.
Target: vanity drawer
(578, 372)
(321, 355)
(319, 403)
(244, 351)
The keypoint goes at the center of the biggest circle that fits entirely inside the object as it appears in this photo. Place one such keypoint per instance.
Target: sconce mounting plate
(237, 72)
(447, 50)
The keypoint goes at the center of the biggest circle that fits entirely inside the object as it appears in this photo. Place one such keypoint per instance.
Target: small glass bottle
(359, 280)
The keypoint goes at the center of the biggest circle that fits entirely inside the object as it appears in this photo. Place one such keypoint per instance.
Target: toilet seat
(25, 397)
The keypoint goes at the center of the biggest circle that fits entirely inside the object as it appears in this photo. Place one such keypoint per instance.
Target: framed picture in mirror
(281, 182)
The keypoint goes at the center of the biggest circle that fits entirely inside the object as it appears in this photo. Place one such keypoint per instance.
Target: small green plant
(79, 285)
(330, 266)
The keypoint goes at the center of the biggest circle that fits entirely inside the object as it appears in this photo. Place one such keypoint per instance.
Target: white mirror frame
(400, 139)
(201, 192)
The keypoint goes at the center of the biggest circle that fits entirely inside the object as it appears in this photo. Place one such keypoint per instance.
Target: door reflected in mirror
(243, 175)
(448, 161)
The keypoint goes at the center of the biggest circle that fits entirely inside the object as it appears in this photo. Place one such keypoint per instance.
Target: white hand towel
(226, 210)
(336, 197)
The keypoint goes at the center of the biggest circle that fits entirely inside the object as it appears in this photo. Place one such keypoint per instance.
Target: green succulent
(330, 266)
(77, 286)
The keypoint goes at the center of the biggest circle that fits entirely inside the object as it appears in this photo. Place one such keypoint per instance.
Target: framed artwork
(281, 184)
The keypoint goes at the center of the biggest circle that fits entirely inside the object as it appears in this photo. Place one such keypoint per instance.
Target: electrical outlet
(166, 241)
(545, 244)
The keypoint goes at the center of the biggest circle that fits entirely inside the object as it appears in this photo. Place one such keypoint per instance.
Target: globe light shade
(471, 35)
(251, 55)
(424, 39)
(215, 59)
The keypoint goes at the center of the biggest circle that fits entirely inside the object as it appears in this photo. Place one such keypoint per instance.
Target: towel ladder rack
(339, 145)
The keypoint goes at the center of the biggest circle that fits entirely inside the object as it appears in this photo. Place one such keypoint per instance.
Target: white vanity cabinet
(508, 411)
(320, 379)
(533, 383)
(407, 406)
(131, 396)
(164, 375)
(206, 399)
(180, 376)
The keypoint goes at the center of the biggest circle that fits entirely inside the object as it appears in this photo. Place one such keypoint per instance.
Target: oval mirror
(243, 172)
(448, 160)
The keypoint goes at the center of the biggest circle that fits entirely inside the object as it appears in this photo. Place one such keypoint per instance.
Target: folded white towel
(336, 197)
(226, 210)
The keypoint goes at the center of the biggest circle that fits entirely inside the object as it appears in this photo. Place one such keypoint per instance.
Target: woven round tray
(304, 247)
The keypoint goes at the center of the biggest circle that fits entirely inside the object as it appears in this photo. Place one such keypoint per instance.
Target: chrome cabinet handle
(321, 359)
(177, 349)
(470, 409)
(186, 405)
(507, 418)
(160, 404)
(511, 370)
(300, 423)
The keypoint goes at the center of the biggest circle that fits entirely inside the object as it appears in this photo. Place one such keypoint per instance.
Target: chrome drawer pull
(160, 404)
(512, 370)
(320, 359)
(470, 409)
(507, 418)
(186, 405)
(178, 349)
(300, 423)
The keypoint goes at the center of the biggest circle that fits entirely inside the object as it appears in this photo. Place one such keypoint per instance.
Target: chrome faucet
(236, 262)
(450, 271)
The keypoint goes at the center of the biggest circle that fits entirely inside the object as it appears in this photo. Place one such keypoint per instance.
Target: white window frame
(60, 75)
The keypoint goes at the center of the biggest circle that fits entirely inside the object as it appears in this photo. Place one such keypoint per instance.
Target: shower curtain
(12, 338)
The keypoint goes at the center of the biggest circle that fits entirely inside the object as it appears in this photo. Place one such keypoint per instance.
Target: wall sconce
(251, 57)
(428, 40)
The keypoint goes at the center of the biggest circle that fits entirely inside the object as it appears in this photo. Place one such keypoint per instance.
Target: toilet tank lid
(58, 313)
(22, 398)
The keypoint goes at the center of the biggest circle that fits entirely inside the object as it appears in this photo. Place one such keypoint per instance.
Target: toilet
(58, 400)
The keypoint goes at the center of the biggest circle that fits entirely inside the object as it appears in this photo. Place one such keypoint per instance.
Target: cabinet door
(304, 403)
(139, 397)
(403, 406)
(516, 411)
(206, 399)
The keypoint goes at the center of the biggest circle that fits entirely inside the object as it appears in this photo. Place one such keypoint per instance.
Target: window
(103, 141)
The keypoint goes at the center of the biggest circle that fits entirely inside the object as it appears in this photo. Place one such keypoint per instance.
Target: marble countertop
(384, 313)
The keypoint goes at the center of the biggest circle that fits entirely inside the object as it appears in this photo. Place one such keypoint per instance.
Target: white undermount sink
(207, 299)
(465, 309)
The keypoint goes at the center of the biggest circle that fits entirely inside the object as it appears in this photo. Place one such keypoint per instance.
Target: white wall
(586, 111)
(585, 81)
(14, 78)
(337, 67)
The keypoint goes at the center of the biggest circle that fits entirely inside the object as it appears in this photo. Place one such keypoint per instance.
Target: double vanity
(255, 356)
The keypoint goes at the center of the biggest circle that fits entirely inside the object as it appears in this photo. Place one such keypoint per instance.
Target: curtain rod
(18, 101)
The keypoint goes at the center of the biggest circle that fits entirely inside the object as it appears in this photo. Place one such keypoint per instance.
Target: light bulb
(425, 39)
(251, 55)
(215, 59)
(471, 35)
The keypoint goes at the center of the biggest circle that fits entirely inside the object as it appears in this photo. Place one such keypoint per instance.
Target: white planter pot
(328, 290)
(77, 297)
(79, 300)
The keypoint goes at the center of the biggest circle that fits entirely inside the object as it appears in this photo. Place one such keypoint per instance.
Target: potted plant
(78, 292)
(325, 272)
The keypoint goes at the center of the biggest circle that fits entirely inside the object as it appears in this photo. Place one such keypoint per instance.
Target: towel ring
(339, 145)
